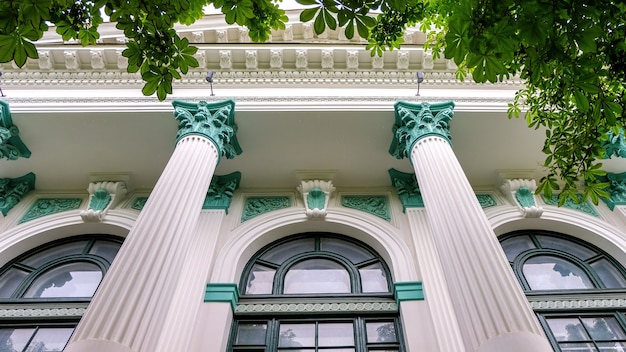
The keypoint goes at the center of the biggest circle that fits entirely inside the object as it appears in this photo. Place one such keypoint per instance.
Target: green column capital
(215, 121)
(416, 121)
(11, 145)
(408, 189)
(221, 191)
(13, 189)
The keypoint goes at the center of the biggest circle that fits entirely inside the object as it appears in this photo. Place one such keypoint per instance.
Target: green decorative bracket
(525, 197)
(215, 121)
(222, 292)
(255, 206)
(617, 189)
(11, 146)
(615, 144)
(408, 291)
(103, 196)
(221, 191)
(416, 121)
(376, 205)
(12, 191)
(47, 206)
(585, 207)
(316, 194)
(408, 189)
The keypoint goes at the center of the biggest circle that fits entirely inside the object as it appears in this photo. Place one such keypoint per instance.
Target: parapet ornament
(102, 197)
(12, 191)
(416, 121)
(215, 121)
(522, 193)
(11, 146)
(316, 194)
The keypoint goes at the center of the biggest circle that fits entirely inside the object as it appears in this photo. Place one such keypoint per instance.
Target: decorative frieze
(226, 61)
(251, 59)
(352, 59)
(408, 189)
(102, 197)
(302, 60)
(258, 205)
(522, 192)
(32, 312)
(578, 304)
(12, 191)
(276, 58)
(583, 206)
(317, 307)
(221, 191)
(11, 145)
(316, 194)
(375, 205)
(48, 206)
(486, 200)
(327, 59)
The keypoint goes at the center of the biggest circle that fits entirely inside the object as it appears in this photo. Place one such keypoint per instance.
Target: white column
(129, 310)
(492, 311)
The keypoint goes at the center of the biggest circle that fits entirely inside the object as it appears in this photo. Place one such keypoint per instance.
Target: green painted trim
(525, 197)
(486, 200)
(13, 189)
(375, 205)
(47, 206)
(585, 207)
(215, 121)
(617, 189)
(408, 291)
(221, 191)
(416, 121)
(139, 203)
(11, 145)
(255, 206)
(408, 189)
(222, 292)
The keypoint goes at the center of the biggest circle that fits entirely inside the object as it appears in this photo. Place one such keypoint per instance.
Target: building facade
(310, 198)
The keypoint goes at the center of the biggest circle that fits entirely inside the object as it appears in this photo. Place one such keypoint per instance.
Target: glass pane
(381, 332)
(604, 328)
(38, 259)
(373, 278)
(609, 274)
(566, 246)
(260, 280)
(251, 334)
(335, 334)
(9, 282)
(354, 252)
(50, 339)
(577, 347)
(514, 246)
(336, 349)
(105, 249)
(14, 340)
(296, 335)
(552, 273)
(68, 280)
(296, 350)
(611, 346)
(285, 251)
(567, 329)
(317, 276)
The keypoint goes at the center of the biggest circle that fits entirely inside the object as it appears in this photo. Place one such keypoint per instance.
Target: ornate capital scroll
(221, 191)
(11, 146)
(215, 121)
(416, 121)
(617, 189)
(102, 197)
(316, 194)
(408, 189)
(614, 145)
(12, 191)
(522, 193)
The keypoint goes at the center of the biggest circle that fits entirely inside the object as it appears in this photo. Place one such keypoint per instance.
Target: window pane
(567, 329)
(577, 347)
(285, 251)
(260, 280)
(68, 280)
(566, 246)
(38, 259)
(604, 328)
(251, 334)
(296, 335)
(514, 246)
(355, 253)
(105, 249)
(552, 273)
(373, 278)
(14, 340)
(10, 281)
(609, 274)
(381, 332)
(317, 276)
(335, 334)
(50, 339)
(336, 349)
(611, 346)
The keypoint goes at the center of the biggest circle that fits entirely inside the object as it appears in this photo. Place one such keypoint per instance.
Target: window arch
(565, 279)
(55, 280)
(301, 272)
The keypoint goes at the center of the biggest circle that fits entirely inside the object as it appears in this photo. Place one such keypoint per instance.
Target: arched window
(571, 285)
(55, 282)
(316, 292)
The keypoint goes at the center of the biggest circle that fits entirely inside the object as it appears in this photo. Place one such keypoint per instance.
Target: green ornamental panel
(11, 145)
(221, 191)
(585, 207)
(139, 203)
(486, 200)
(48, 206)
(375, 205)
(255, 206)
(12, 191)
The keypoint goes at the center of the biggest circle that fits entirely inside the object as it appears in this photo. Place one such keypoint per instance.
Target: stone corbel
(522, 193)
(316, 194)
(102, 197)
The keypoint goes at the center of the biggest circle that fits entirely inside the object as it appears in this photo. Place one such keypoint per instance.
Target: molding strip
(408, 291)
(222, 292)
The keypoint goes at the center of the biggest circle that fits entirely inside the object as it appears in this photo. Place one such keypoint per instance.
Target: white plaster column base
(420, 337)
(212, 328)
(486, 296)
(133, 300)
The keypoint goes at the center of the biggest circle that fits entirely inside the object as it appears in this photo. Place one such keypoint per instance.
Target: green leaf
(581, 100)
(307, 2)
(349, 32)
(319, 25)
(150, 87)
(330, 20)
(307, 14)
